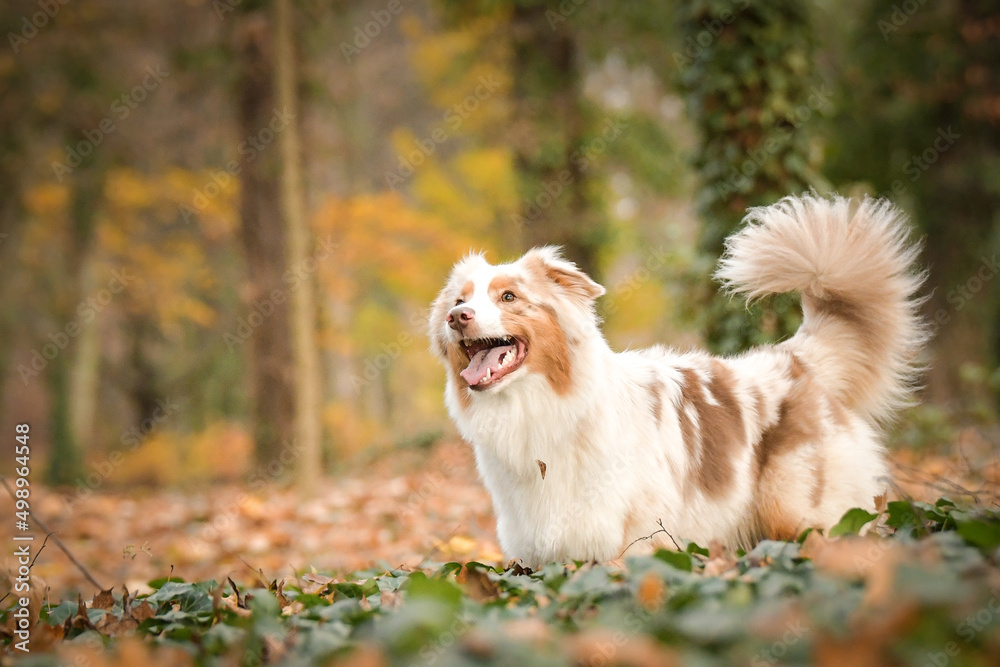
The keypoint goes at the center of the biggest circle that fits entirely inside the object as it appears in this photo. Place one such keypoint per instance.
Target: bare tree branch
(51, 533)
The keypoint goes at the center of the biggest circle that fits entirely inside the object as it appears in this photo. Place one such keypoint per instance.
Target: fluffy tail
(861, 330)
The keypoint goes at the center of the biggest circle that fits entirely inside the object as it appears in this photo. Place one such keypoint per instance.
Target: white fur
(613, 471)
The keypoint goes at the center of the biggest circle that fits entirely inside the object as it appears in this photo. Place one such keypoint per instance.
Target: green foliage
(916, 122)
(781, 600)
(747, 74)
(852, 522)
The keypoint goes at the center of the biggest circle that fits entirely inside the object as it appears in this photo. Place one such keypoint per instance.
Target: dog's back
(585, 450)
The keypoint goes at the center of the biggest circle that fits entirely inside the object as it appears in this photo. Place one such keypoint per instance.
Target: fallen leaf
(110, 626)
(541, 466)
(651, 592)
(478, 584)
(881, 503)
(142, 611)
(601, 646)
(103, 600)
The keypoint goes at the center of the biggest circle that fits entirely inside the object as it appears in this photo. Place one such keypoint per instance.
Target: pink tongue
(484, 359)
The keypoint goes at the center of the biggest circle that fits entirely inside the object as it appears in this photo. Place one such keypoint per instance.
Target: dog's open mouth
(490, 359)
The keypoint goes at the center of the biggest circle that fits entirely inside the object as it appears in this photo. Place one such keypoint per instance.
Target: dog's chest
(555, 506)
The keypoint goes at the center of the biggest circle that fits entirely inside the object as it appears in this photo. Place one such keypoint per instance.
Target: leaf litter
(397, 563)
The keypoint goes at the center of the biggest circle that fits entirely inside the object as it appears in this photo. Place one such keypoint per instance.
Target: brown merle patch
(720, 427)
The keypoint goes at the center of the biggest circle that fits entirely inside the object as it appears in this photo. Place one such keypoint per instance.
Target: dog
(585, 451)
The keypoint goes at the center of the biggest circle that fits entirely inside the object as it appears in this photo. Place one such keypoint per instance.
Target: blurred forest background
(222, 221)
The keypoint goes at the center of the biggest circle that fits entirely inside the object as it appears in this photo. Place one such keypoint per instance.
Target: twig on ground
(39, 552)
(41, 524)
(659, 522)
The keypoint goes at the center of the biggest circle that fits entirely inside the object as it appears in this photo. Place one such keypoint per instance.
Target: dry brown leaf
(110, 626)
(103, 600)
(541, 466)
(142, 611)
(45, 636)
(602, 646)
(478, 584)
(390, 600)
(279, 593)
(80, 619)
(881, 503)
(720, 561)
(652, 591)
(292, 609)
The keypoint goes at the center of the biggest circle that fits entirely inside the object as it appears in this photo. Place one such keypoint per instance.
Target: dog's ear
(548, 261)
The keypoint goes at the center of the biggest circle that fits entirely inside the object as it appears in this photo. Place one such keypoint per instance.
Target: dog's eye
(508, 296)
(459, 302)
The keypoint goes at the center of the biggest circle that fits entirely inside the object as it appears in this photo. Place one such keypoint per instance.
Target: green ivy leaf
(678, 559)
(852, 522)
(983, 532)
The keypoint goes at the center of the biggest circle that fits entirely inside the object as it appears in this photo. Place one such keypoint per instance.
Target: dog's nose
(460, 316)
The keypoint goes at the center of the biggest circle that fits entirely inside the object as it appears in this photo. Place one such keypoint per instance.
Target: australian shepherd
(585, 450)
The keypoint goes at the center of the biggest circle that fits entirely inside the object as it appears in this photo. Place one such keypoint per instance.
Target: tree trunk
(66, 463)
(263, 235)
(754, 144)
(300, 242)
(84, 377)
(549, 128)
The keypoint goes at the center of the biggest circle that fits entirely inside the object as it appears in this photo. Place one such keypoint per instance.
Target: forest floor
(403, 509)
(398, 509)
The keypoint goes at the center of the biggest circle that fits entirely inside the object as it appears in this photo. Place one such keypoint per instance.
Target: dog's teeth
(488, 373)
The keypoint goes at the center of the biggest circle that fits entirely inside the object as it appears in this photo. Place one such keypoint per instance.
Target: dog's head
(494, 324)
